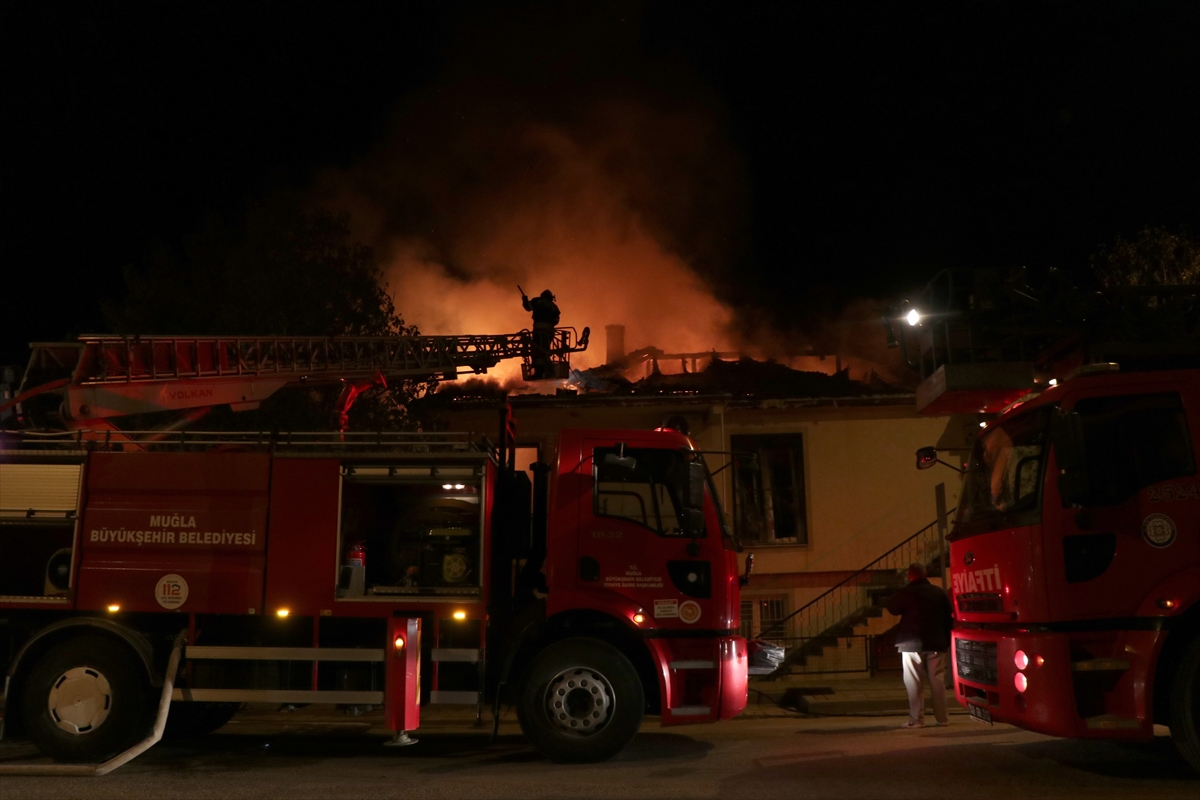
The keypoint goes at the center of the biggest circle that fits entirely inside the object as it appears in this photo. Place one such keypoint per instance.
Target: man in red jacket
(922, 637)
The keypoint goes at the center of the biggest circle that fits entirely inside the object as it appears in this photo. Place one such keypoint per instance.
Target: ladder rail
(116, 359)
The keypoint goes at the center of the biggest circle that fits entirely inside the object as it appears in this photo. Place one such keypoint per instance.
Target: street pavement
(769, 752)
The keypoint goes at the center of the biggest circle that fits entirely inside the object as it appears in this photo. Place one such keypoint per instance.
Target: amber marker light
(1166, 602)
(281, 613)
(460, 615)
(114, 608)
(639, 618)
(399, 643)
(1038, 661)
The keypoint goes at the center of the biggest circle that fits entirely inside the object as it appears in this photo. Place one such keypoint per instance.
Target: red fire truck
(1075, 561)
(1075, 558)
(356, 569)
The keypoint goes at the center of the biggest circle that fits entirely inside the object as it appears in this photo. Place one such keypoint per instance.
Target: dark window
(648, 491)
(1132, 442)
(769, 503)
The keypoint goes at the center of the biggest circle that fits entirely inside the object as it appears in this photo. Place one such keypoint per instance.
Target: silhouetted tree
(1154, 257)
(288, 272)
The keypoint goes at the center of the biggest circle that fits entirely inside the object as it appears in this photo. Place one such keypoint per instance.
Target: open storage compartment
(418, 527)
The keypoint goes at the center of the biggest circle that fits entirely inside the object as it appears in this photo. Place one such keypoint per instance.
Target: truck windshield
(1002, 487)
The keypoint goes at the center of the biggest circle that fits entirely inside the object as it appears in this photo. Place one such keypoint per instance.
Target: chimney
(616, 344)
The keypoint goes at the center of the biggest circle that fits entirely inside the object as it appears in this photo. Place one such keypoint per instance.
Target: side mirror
(1070, 454)
(926, 457)
(745, 578)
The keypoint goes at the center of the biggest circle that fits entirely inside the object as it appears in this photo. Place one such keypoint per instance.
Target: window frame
(796, 444)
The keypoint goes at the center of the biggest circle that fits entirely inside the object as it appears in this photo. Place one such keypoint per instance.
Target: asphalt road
(317, 754)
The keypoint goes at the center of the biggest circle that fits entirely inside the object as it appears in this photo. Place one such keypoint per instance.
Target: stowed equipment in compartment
(419, 526)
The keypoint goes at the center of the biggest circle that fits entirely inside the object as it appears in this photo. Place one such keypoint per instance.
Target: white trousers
(930, 667)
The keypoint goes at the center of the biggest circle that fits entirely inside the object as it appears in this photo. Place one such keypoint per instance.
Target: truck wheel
(189, 720)
(86, 700)
(581, 701)
(1185, 705)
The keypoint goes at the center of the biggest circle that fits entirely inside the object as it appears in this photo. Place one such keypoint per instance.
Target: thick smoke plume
(623, 197)
(463, 214)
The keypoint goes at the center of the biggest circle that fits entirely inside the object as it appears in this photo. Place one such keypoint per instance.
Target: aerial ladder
(102, 377)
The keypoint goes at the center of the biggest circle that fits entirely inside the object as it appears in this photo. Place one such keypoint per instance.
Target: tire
(190, 720)
(1185, 705)
(581, 701)
(86, 700)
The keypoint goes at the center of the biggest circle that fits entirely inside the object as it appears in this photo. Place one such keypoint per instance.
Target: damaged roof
(742, 381)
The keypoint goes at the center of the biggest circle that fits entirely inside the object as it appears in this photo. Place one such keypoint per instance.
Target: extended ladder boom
(112, 376)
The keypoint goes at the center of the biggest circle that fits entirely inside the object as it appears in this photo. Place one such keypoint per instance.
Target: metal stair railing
(835, 612)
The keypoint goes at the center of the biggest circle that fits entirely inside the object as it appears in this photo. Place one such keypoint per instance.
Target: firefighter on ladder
(545, 320)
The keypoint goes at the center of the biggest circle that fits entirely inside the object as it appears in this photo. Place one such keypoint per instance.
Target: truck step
(691, 711)
(1100, 665)
(457, 654)
(221, 653)
(1108, 722)
(454, 698)
(293, 696)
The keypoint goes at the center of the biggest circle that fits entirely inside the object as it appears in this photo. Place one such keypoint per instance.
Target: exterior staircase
(834, 632)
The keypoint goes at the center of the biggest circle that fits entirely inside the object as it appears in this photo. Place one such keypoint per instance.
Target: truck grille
(980, 602)
(976, 661)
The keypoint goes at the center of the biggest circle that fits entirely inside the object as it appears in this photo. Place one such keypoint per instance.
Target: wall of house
(863, 491)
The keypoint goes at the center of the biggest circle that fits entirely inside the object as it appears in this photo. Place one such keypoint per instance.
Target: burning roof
(744, 380)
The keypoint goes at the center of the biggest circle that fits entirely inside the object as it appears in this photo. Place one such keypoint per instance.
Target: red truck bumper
(1077, 685)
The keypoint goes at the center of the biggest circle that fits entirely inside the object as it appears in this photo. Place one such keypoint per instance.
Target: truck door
(1141, 517)
(634, 539)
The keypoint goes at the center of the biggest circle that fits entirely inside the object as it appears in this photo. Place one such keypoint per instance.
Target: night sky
(851, 149)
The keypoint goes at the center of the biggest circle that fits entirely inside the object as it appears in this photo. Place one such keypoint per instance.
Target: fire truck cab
(1075, 561)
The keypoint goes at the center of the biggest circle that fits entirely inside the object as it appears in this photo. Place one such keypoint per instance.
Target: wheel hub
(80, 700)
(579, 701)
